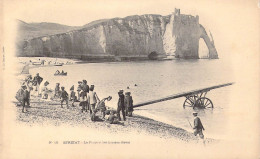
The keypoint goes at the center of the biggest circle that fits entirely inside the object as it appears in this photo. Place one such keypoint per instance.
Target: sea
(148, 80)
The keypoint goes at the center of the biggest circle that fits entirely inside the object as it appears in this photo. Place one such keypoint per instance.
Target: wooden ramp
(194, 93)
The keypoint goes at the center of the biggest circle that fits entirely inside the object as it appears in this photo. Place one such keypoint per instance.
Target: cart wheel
(203, 102)
(189, 101)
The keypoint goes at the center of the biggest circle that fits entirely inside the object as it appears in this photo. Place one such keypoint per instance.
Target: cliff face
(129, 37)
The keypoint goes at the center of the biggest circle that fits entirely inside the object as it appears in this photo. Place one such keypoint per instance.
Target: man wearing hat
(37, 80)
(26, 98)
(64, 97)
(128, 104)
(83, 94)
(85, 88)
(121, 105)
(198, 127)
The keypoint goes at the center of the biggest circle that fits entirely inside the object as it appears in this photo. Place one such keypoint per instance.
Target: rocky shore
(45, 113)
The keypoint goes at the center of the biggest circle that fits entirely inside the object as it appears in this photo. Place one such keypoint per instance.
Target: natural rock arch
(210, 43)
(203, 50)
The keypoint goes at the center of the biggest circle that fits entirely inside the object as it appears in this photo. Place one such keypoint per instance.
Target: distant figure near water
(57, 72)
(198, 127)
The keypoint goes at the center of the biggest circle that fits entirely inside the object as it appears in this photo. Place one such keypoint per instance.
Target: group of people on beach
(23, 95)
(85, 95)
(88, 101)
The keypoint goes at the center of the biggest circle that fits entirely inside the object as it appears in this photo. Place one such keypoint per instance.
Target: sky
(233, 23)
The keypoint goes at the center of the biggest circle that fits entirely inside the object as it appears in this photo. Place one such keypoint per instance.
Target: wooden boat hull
(64, 74)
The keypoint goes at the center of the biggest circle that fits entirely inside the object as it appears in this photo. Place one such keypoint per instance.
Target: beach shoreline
(140, 117)
(45, 113)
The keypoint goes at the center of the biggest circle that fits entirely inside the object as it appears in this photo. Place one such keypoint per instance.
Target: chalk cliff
(132, 37)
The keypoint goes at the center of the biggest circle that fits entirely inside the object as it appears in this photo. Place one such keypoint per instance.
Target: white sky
(233, 23)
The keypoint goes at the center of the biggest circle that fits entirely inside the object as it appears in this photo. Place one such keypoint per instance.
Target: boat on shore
(58, 64)
(60, 74)
(36, 63)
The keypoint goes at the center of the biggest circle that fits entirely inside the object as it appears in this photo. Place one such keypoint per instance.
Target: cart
(194, 98)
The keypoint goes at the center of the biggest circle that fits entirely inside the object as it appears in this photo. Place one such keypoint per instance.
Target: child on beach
(45, 90)
(64, 97)
(113, 119)
(57, 90)
(73, 97)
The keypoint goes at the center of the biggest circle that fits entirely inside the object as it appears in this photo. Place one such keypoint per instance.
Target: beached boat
(36, 63)
(58, 64)
(60, 74)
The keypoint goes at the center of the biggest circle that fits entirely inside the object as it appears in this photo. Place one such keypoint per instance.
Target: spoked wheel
(203, 103)
(190, 101)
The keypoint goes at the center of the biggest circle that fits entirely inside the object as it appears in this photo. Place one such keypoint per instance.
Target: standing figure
(37, 80)
(198, 127)
(128, 104)
(73, 97)
(83, 101)
(19, 95)
(29, 85)
(64, 97)
(79, 89)
(57, 90)
(26, 98)
(92, 99)
(85, 89)
(121, 105)
(83, 95)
